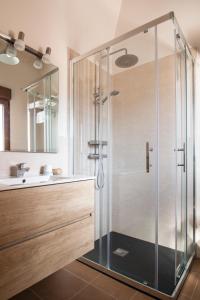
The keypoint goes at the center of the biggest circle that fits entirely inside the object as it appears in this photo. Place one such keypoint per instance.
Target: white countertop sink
(11, 181)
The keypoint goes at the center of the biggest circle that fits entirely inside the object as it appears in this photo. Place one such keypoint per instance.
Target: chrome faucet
(21, 169)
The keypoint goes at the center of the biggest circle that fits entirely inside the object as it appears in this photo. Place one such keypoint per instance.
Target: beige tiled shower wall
(134, 123)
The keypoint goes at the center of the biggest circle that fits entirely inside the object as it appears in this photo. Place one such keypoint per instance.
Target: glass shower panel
(102, 162)
(190, 155)
(90, 119)
(181, 158)
(133, 167)
(167, 156)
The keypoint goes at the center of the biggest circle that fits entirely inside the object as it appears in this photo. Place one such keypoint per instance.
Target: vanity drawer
(29, 211)
(25, 264)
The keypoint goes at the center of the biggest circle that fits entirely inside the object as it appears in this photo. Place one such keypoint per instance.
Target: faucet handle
(21, 165)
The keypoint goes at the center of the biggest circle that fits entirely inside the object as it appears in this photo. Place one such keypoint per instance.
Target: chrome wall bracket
(96, 156)
(97, 143)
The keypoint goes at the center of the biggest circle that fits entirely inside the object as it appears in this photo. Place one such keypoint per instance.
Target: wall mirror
(28, 100)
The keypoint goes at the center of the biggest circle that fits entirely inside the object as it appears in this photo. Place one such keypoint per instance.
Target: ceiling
(90, 23)
(97, 21)
(134, 13)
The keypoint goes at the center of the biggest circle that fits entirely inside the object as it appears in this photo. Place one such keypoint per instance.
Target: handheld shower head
(97, 97)
(112, 94)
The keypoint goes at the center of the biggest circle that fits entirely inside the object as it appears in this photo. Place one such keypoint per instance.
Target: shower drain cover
(120, 252)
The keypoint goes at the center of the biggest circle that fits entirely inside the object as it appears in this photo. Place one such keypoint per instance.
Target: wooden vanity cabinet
(42, 229)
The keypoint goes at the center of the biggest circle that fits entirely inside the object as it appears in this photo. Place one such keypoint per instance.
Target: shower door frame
(120, 277)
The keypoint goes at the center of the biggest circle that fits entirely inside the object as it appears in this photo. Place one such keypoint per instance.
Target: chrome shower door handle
(184, 157)
(148, 149)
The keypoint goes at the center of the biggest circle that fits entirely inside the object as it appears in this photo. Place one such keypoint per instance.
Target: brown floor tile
(92, 293)
(190, 285)
(196, 265)
(80, 282)
(25, 295)
(84, 272)
(196, 294)
(182, 297)
(58, 286)
(113, 287)
(141, 296)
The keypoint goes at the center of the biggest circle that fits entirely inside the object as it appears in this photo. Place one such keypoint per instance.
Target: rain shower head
(126, 60)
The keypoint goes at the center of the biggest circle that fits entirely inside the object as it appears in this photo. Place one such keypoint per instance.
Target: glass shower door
(190, 156)
(133, 181)
(181, 159)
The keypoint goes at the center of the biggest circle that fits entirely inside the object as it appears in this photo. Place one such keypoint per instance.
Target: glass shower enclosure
(132, 102)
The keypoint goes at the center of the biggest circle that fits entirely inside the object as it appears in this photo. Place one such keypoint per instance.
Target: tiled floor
(79, 282)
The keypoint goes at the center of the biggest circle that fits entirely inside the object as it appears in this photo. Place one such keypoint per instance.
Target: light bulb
(11, 51)
(46, 57)
(19, 43)
(38, 64)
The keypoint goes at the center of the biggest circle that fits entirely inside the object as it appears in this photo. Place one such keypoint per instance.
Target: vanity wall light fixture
(19, 43)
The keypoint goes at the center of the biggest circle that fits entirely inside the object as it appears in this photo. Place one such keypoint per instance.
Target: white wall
(91, 22)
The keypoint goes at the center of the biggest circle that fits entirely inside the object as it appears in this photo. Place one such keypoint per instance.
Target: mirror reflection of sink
(23, 180)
